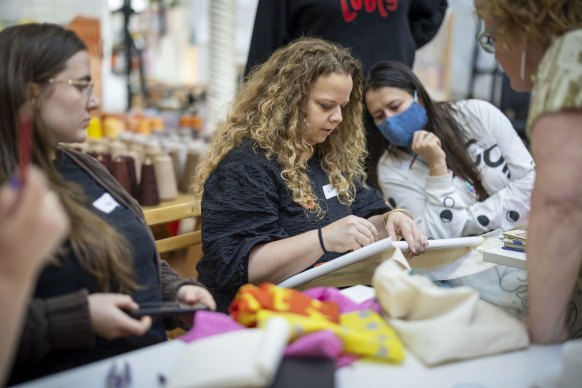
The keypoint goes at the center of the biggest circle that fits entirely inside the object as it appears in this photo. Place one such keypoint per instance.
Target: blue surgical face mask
(400, 128)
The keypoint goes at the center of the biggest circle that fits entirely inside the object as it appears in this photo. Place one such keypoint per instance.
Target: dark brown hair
(32, 54)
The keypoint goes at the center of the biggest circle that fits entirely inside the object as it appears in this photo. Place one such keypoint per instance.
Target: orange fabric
(250, 299)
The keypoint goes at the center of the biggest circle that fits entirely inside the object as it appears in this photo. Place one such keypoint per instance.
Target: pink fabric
(319, 344)
(209, 323)
(346, 305)
(345, 360)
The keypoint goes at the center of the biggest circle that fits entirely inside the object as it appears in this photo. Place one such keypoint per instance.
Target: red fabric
(250, 299)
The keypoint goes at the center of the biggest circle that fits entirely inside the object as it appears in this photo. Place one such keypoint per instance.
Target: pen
(412, 161)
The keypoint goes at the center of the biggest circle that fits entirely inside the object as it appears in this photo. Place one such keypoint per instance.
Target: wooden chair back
(182, 262)
(174, 212)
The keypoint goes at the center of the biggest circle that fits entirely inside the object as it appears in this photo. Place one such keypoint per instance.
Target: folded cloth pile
(442, 324)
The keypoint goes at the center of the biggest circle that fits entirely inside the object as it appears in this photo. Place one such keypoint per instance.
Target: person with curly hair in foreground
(282, 185)
(539, 44)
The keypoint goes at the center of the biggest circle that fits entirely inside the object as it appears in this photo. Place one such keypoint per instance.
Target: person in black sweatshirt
(281, 184)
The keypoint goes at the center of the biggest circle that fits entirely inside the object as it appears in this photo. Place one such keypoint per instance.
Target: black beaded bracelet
(321, 240)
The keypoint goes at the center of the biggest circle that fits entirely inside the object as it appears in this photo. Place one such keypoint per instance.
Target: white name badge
(329, 191)
(105, 203)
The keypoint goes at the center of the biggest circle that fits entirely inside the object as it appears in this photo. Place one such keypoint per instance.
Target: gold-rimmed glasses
(85, 86)
(486, 41)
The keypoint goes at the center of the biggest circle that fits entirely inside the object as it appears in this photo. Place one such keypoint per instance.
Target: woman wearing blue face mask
(460, 168)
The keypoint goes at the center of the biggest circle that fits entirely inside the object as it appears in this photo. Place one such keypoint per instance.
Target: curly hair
(538, 20)
(271, 109)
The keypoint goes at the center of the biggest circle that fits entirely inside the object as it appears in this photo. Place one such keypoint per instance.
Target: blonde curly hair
(537, 20)
(271, 109)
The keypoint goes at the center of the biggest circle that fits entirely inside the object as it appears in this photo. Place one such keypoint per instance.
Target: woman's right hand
(110, 321)
(348, 234)
(428, 146)
(32, 224)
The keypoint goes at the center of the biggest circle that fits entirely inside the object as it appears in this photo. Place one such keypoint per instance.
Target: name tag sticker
(329, 191)
(105, 203)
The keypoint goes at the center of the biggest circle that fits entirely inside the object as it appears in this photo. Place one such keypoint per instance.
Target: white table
(147, 365)
(516, 369)
(537, 364)
(505, 257)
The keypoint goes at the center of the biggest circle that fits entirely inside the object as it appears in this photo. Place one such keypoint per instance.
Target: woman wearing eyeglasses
(109, 262)
(539, 44)
(460, 168)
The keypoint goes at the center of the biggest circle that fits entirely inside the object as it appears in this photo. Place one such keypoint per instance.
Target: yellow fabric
(363, 333)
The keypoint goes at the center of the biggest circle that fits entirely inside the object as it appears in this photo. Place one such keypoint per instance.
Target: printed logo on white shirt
(105, 203)
(329, 191)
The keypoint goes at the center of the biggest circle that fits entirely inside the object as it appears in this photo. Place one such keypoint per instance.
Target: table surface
(516, 369)
(537, 365)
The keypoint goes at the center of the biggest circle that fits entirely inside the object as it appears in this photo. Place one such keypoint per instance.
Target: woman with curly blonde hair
(282, 183)
(539, 44)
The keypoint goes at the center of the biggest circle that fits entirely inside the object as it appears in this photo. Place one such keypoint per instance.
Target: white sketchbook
(505, 257)
(357, 267)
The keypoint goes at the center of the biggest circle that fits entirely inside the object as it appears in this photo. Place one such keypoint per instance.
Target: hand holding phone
(166, 309)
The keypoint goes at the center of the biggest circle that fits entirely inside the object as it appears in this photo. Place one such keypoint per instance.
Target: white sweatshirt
(446, 206)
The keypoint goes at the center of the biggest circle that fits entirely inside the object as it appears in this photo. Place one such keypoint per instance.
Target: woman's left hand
(400, 225)
(190, 295)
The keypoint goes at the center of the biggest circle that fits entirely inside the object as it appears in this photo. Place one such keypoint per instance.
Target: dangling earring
(33, 96)
(522, 68)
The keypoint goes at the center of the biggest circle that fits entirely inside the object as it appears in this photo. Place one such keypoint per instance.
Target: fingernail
(15, 182)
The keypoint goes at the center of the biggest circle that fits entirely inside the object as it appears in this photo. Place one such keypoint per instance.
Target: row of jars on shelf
(112, 125)
(151, 168)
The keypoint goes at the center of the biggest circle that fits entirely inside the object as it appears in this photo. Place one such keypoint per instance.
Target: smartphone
(164, 309)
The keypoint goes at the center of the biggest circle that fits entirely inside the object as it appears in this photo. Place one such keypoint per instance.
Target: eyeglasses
(85, 86)
(485, 39)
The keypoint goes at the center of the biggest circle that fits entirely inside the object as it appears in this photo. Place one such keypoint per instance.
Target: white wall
(53, 11)
(464, 32)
